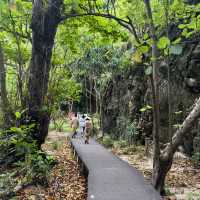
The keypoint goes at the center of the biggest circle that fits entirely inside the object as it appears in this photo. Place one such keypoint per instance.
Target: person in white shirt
(82, 124)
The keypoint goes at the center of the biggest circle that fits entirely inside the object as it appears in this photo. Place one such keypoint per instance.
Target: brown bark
(184, 129)
(163, 165)
(160, 170)
(45, 19)
(155, 94)
(162, 161)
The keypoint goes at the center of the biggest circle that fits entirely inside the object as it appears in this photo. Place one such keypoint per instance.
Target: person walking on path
(88, 130)
(74, 125)
(82, 124)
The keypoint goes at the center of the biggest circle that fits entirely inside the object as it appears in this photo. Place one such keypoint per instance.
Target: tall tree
(44, 23)
(162, 159)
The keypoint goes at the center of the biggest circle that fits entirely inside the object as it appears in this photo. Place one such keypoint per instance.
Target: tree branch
(126, 24)
(183, 130)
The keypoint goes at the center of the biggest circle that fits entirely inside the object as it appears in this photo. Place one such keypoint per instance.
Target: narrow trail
(110, 178)
(64, 180)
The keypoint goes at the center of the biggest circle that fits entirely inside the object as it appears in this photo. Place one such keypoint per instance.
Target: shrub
(193, 196)
(120, 144)
(107, 141)
(36, 167)
(17, 148)
(196, 159)
(20, 152)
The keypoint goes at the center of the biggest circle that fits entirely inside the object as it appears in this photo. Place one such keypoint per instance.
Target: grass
(64, 128)
(193, 196)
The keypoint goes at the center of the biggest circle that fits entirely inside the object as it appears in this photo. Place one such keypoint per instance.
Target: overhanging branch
(126, 24)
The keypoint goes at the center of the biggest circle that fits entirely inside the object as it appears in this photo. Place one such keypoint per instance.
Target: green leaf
(137, 57)
(15, 129)
(163, 42)
(176, 49)
(18, 115)
(147, 107)
(178, 40)
(44, 108)
(144, 49)
(148, 71)
(177, 125)
(178, 112)
(181, 26)
(145, 36)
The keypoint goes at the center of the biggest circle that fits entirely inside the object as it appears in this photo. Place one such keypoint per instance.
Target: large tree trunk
(45, 19)
(3, 92)
(160, 170)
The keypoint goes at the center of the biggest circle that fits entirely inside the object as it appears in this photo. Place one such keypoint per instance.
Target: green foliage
(145, 108)
(120, 144)
(58, 123)
(107, 141)
(131, 129)
(7, 183)
(178, 112)
(36, 167)
(62, 88)
(18, 115)
(17, 144)
(196, 159)
(176, 49)
(177, 126)
(17, 139)
(163, 42)
(148, 70)
(193, 196)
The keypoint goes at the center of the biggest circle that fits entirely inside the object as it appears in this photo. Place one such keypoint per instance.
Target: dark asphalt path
(111, 178)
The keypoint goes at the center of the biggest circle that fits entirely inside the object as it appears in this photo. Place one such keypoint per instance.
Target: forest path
(110, 178)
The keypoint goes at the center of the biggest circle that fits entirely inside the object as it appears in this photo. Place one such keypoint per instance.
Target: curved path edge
(109, 177)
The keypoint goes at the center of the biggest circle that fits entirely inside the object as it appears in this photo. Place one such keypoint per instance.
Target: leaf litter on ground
(65, 181)
(182, 181)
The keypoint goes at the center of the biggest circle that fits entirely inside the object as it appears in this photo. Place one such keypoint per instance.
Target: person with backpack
(88, 130)
(82, 124)
(74, 125)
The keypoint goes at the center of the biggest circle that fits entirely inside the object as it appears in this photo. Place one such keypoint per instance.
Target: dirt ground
(182, 183)
(65, 182)
(183, 180)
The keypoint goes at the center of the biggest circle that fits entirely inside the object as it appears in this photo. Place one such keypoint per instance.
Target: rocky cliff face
(130, 91)
(123, 100)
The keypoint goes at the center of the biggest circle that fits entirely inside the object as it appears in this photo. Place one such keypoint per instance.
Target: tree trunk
(45, 19)
(3, 92)
(160, 170)
(164, 162)
(91, 88)
(157, 165)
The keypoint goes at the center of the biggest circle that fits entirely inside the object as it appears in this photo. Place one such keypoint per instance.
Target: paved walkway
(110, 178)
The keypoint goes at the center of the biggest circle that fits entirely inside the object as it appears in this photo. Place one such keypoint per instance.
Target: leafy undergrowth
(64, 181)
(183, 180)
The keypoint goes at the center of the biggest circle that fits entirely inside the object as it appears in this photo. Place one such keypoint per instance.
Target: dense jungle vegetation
(134, 66)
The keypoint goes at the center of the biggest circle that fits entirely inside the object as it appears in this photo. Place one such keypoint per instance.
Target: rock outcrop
(130, 91)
